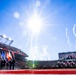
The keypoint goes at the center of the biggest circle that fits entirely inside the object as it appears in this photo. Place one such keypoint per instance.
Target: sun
(35, 24)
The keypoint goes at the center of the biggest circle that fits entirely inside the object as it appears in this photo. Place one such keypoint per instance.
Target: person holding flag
(10, 59)
(3, 59)
(13, 60)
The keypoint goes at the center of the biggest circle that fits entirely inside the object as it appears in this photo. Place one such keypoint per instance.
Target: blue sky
(57, 33)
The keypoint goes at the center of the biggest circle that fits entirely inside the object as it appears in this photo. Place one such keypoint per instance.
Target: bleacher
(20, 56)
(66, 60)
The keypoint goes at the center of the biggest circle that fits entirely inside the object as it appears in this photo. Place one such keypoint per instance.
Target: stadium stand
(66, 60)
(20, 57)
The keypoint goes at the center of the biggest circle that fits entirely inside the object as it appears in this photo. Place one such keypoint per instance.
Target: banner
(39, 72)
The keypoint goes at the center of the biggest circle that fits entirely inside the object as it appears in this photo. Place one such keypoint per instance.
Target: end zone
(39, 71)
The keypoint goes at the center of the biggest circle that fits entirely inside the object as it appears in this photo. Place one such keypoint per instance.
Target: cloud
(74, 33)
(74, 30)
(68, 41)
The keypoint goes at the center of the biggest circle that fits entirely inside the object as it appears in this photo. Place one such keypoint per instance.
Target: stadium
(45, 29)
(20, 56)
(64, 65)
(66, 59)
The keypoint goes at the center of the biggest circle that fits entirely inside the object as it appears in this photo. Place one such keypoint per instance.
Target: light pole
(10, 41)
(7, 39)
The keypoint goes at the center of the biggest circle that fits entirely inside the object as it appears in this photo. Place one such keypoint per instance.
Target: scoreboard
(65, 55)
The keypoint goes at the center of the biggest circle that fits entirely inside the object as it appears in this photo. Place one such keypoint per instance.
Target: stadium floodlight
(1, 36)
(7, 39)
(4, 36)
(11, 42)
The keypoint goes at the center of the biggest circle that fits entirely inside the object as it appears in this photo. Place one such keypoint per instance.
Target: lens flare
(35, 24)
(38, 3)
(16, 15)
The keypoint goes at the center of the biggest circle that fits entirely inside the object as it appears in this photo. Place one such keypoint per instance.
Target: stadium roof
(11, 48)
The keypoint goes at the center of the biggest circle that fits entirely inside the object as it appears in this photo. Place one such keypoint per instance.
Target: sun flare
(35, 24)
